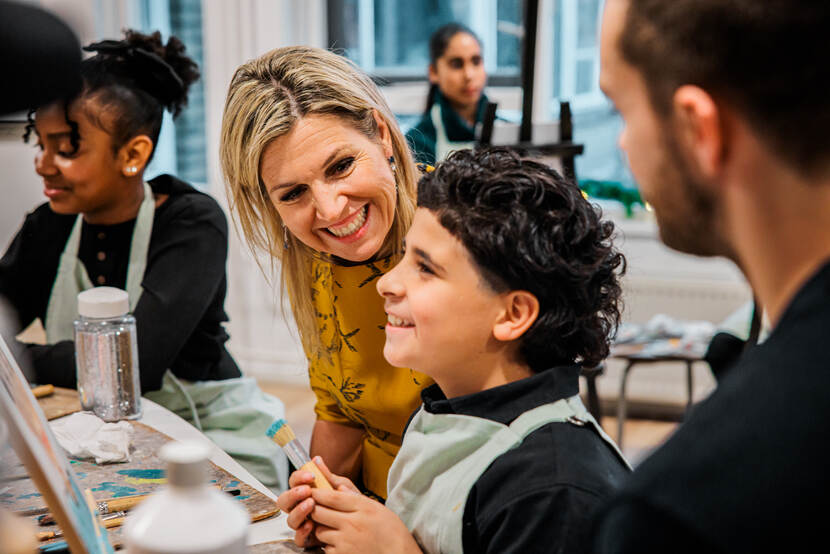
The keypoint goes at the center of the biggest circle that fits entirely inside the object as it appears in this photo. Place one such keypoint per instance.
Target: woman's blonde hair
(267, 96)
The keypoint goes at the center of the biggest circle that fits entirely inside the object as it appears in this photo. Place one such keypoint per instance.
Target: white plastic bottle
(187, 516)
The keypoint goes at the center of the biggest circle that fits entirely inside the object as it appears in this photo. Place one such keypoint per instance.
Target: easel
(565, 149)
(34, 444)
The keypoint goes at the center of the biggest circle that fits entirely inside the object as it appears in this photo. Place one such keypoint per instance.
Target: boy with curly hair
(508, 285)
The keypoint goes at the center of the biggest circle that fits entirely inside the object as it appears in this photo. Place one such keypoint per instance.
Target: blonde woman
(320, 177)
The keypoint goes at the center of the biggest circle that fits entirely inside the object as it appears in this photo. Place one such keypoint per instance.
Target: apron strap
(72, 278)
(443, 145)
(570, 410)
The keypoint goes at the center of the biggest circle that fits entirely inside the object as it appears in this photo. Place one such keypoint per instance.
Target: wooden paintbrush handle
(48, 535)
(43, 390)
(120, 504)
(113, 522)
(319, 479)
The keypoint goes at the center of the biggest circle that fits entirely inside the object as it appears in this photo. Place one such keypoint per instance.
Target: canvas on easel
(34, 444)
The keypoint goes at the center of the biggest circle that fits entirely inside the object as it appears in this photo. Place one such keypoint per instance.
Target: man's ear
(701, 127)
(521, 309)
(134, 154)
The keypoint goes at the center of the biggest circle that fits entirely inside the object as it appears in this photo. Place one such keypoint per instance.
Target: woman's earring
(131, 170)
(393, 166)
(285, 243)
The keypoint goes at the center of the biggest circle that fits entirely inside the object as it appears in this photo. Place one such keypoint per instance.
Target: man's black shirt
(747, 472)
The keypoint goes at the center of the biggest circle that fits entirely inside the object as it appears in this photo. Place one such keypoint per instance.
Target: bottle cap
(186, 463)
(103, 302)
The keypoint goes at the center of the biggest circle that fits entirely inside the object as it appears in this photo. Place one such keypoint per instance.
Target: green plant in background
(613, 190)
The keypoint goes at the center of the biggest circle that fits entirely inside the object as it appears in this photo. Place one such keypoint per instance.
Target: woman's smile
(353, 227)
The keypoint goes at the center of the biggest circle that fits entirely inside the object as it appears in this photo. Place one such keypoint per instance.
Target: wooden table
(165, 421)
(267, 535)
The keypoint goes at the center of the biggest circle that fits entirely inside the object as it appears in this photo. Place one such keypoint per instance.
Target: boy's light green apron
(442, 457)
(234, 413)
(443, 145)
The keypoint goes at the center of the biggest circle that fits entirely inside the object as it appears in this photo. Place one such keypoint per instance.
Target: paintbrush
(283, 435)
(105, 507)
(48, 519)
(43, 390)
(112, 520)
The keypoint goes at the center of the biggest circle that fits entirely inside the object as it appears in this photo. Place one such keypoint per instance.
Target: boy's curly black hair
(527, 228)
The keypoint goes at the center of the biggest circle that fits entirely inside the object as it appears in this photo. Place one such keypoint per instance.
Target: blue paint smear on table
(118, 490)
(143, 473)
(59, 546)
(30, 495)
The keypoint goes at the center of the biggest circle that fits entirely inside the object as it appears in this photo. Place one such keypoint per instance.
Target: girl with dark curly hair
(509, 284)
(162, 241)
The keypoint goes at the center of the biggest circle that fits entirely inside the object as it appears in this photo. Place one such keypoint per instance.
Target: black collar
(507, 402)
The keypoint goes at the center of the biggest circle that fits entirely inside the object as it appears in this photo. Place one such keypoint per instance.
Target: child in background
(509, 283)
(456, 101)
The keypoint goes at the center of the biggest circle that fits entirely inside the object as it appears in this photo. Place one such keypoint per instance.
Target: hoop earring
(285, 243)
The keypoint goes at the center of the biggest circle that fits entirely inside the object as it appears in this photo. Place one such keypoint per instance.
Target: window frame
(481, 18)
(568, 54)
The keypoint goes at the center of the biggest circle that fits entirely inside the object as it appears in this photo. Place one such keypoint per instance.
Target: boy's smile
(440, 311)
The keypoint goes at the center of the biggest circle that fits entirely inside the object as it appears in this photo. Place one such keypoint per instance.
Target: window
(391, 39)
(576, 36)
(182, 145)
(575, 75)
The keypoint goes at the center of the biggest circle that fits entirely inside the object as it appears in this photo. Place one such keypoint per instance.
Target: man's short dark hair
(766, 58)
(527, 228)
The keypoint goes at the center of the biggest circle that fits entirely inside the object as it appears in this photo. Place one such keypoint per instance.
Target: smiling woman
(320, 179)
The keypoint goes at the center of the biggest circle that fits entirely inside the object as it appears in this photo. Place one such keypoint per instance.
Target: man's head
(505, 250)
(683, 72)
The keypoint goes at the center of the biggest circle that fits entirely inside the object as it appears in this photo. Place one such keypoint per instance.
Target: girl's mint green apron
(442, 457)
(234, 413)
(72, 278)
(443, 145)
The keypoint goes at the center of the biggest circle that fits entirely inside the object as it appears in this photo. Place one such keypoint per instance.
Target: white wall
(20, 187)
(264, 342)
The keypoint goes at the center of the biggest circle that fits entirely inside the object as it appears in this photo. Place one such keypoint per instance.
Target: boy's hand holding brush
(297, 501)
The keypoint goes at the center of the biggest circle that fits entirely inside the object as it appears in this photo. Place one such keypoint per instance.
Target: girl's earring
(131, 170)
(285, 243)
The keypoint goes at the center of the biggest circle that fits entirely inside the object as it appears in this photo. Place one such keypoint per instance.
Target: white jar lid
(187, 463)
(103, 302)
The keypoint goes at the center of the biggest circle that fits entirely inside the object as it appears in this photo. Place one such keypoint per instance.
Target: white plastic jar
(106, 355)
(188, 516)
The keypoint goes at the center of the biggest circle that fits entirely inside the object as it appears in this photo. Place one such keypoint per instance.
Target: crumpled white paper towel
(84, 435)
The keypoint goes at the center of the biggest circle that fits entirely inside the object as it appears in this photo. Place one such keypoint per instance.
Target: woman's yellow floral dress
(354, 383)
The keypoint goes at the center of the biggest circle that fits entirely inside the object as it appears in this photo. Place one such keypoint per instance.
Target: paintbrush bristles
(283, 434)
